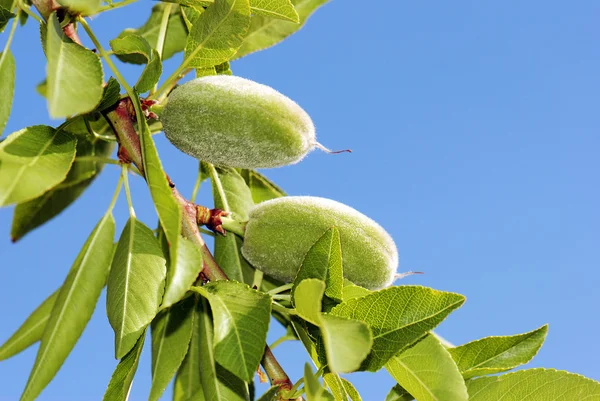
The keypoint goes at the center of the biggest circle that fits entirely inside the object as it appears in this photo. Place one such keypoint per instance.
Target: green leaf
(191, 13)
(5, 16)
(223, 68)
(135, 285)
(171, 334)
(270, 394)
(218, 33)
(341, 388)
(185, 260)
(70, 92)
(241, 320)
(351, 291)
(110, 95)
(150, 75)
(83, 7)
(217, 383)
(398, 316)
(498, 353)
(7, 86)
(282, 9)
(262, 188)
(174, 39)
(314, 389)
(34, 160)
(534, 385)
(73, 307)
(347, 341)
(122, 378)
(31, 330)
(265, 32)
(187, 381)
(231, 194)
(324, 262)
(397, 393)
(32, 214)
(426, 370)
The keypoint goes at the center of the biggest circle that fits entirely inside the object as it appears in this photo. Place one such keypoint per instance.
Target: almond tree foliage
(208, 313)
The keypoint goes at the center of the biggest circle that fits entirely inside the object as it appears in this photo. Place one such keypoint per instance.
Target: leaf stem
(116, 195)
(197, 184)
(27, 10)
(162, 33)
(124, 169)
(281, 289)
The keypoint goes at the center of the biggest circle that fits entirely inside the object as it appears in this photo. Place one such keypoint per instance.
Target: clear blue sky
(475, 131)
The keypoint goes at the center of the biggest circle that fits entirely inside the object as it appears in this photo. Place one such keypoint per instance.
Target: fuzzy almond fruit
(232, 121)
(280, 232)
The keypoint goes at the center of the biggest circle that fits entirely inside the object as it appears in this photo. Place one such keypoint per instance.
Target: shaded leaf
(135, 285)
(351, 291)
(188, 386)
(426, 370)
(231, 194)
(241, 320)
(174, 39)
(83, 7)
(73, 307)
(185, 260)
(265, 32)
(534, 385)
(171, 334)
(314, 390)
(324, 262)
(150, 75)
(70, 92)
(122, 378)
(262, 188)
(398, 316)
(397, 393)
(110, 94)
(223, 69)
(497, 354)
(31, 330)
(33, 160)
(137, 48)
(217, 33)
(32, 214)
(270, 394)
(5, 16)
(7, 85)
(347, 341)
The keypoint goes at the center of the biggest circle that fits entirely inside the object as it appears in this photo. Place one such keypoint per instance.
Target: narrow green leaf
(135, 285)
(341, 388)
(122, 378)
(34, 160)
(32, 214)
(241, 320)
(133, 45)
(262, 188)
(31, 330)
(70, 92)
(497, 354)
(231, 194)
(110, 95)
(265, 32)
(351, 291)
(218, 33)
(83, 7)
(398, 316)
(73, 307)
(150, 75)
(534, 385)
(397, 393)
(282, 9)
(174, 40)
(314, 389)
(185, 260)
(188, 386)
(347, 341)
(171, 334)
(426, 370)
(7, 86)
(324, 262)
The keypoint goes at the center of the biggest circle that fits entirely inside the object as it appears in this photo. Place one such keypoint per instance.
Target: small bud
(280, 232)
(231, 121)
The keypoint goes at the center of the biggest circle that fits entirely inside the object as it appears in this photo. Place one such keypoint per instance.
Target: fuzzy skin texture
(232, 121)
(280, 232)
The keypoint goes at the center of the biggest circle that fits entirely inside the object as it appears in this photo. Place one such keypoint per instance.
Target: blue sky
(474, 127)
